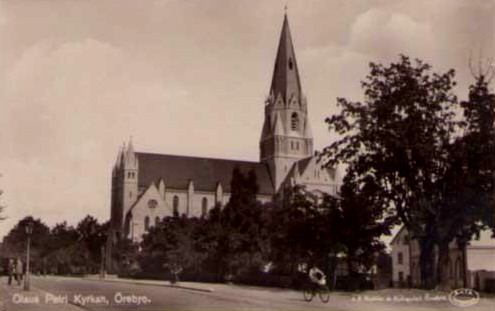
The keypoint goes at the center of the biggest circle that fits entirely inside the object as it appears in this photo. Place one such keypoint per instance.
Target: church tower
(286, 136)
(124, 186)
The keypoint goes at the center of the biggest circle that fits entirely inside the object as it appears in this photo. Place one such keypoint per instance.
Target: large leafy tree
(356, 221)
(467, 200)
(61, 258)
(169, 247)
(243, 240)
(400, 136)
(93, 236)
(15, 242)
(297, 230)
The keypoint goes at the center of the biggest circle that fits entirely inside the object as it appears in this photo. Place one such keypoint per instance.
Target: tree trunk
(443, 266)
(426, 262)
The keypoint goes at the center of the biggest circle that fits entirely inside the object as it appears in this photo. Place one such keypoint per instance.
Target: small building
(473, 266)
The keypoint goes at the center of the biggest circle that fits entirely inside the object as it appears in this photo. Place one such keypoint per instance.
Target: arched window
(157, 221)
(204, 206)
(176, 205)
(146, 223)
(294, 122)
(399, 258)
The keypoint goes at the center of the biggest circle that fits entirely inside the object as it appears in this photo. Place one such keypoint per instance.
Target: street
(72, 294)
(66, 293)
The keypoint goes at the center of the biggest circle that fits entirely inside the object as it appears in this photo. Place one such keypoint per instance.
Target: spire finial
(285, 8)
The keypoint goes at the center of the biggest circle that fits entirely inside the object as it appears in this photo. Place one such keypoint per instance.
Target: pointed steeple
(285, 80)
(130, 156)
(118, 161)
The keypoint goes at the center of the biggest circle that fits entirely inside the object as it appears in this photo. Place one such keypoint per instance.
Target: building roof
(206, 173)
(399, 233)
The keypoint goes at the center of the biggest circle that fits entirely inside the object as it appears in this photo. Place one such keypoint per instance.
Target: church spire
(286, 136)
(285, 80)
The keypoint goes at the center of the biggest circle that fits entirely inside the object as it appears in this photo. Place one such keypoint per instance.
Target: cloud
(383, 34)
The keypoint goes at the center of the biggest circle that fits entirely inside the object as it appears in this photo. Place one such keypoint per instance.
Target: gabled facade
(468, 267)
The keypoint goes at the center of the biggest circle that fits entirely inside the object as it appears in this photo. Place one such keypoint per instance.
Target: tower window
(176, 205)
(294, 122)
(146, 223)
(157, 221)
(204, 206)
(290, 64)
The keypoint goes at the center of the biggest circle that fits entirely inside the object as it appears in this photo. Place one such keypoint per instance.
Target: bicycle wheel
(308, 293)
(324, 293)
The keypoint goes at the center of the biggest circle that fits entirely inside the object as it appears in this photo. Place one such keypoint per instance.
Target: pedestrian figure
(11, 270)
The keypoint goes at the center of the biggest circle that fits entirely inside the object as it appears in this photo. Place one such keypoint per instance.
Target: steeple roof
(285, 80)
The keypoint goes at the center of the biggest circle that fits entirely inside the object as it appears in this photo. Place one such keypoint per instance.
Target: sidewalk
(202, 287)
(14, 297)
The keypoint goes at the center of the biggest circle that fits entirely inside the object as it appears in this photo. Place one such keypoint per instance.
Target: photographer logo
(464, 297)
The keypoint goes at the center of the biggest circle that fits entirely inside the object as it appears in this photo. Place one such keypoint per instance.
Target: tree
(93, 236)
(400, 136)
(15, 242)
(243, 240)
(357, 220)
(295, 224)
(169, 246)
(127, 257)
(59, 249)
(467, 200)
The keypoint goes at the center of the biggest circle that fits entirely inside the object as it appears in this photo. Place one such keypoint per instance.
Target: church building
(147, 187)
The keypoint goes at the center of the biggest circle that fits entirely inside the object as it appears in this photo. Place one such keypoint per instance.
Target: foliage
(62, 249)
(467, 198)
(171, 246)
(400, 138)
(242, 240)
(356, 221)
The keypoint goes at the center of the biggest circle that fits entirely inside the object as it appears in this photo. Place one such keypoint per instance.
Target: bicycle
(309, 292)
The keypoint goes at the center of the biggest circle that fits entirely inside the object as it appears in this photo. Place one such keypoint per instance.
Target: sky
(79, 78)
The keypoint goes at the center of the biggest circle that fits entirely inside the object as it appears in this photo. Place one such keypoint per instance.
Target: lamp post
(102, 265)
(29, 231)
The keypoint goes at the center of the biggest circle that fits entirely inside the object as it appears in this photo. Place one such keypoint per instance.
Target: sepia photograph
(247, 155)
